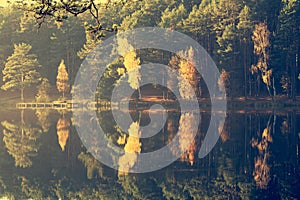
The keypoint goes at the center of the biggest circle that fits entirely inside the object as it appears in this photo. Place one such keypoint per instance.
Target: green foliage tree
(173, 18)
(286, 45)
(199, 24)
(20, 70)
(43, 91)
(245, 28)
(90, 43)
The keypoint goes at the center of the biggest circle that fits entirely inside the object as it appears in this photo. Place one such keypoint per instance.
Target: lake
(256, 157)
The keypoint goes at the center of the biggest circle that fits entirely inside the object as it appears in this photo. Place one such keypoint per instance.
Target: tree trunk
(22, 94)
(245, 70)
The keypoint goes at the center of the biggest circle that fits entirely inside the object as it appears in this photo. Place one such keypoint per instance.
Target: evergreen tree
(148, 15)
(43, 91)
(199, 24)
(90, 43)
(245, 28)
(173, 19)
(62, 79)
(287, 44)
(20, 70)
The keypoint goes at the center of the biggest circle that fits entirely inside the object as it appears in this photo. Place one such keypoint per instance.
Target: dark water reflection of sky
(256, 157)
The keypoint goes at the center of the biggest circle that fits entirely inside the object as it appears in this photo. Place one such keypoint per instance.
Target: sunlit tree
(261, 39)
(173, 18)
(132, 65)
(62, 79)
(20, 70)
(188, 71)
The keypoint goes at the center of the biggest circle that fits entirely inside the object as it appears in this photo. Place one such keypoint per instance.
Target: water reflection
(62, 127)
(132, 148)
(262, 164)
(256, 157)
(20, 140)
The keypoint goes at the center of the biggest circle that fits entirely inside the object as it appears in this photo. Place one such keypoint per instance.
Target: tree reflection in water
(132, 148)
(21, 141)
(63, 129)
(261, 171)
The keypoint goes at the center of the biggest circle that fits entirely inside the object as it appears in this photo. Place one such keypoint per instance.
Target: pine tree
(91, 42)
(62, 79)
(245, 28)
(173, 19)
(43, 91)
(200, 23)
(149, 14)
(20, 70)
(286, 45)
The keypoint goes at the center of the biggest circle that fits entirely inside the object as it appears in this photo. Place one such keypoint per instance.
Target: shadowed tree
(20, 70)
(223, 82)
(92, 165)
(43, 90)
(286, 48)
(245, 28)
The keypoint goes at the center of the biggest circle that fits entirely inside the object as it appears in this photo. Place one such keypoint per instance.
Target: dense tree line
(255, 42)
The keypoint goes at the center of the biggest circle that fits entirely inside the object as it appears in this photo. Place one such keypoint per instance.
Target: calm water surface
(256, 157)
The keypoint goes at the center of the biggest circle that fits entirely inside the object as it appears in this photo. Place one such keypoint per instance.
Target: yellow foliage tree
(62, 79)
(261, 39)
(132, 65)
(188, 71)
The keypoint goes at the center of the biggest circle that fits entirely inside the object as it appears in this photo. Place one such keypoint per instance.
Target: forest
(254, 44)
